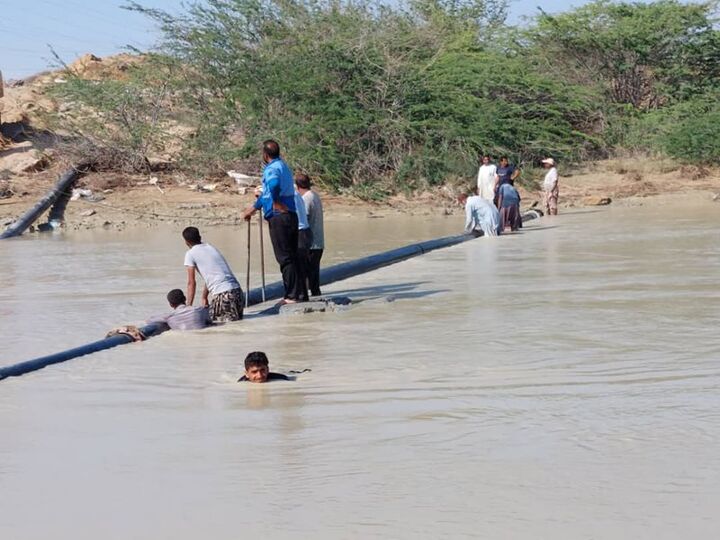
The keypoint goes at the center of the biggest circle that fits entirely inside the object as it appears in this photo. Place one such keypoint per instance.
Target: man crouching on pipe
(481, 216)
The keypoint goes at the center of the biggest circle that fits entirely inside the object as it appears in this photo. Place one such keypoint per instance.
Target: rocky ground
(29, 166)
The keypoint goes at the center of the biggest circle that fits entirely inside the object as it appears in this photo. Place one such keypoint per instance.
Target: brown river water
(560, 383)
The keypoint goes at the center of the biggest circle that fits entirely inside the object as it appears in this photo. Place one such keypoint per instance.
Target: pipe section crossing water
(273, 291)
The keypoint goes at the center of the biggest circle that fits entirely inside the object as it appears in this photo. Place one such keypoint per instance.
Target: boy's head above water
(257, 367)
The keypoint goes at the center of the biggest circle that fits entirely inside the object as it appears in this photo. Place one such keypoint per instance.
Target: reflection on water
(559, 383)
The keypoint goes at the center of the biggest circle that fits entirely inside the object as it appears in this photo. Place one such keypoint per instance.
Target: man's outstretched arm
(191, 285)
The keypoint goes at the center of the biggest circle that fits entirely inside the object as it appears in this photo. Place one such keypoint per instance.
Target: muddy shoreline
(119, 202)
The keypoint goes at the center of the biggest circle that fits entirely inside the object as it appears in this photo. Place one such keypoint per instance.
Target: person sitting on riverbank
(509, 207)
(481, 217)
(226, 299)
(183, 317)
(257, 369)
(550, 186)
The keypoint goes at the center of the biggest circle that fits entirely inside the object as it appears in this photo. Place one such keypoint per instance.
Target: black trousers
(284, 237)
(305, 240)
(313, 271)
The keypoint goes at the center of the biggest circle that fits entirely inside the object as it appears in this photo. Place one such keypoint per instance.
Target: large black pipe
(349, 269)
(16, 370)
(273, 291)
(58, 192)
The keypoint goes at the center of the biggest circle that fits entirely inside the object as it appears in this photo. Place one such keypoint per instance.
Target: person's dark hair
(256, 358)
(303, 181)
(466, 194)
(504, 157)
(192, 235)
(176, 297)
(271, 149)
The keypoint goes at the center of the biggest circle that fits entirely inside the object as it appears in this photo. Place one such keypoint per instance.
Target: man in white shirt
(481, 216)
(313, 206)
(305, 240)
(550, 186)
(222, 292)
(486, 179)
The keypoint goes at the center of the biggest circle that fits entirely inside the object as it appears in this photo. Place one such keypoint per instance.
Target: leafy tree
(362, 93)
(376, 98)
(643, 54)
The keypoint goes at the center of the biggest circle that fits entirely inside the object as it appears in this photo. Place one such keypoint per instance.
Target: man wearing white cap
(550, 186)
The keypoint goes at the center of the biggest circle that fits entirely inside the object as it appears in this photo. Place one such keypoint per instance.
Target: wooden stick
(247, 280)
(262, 256)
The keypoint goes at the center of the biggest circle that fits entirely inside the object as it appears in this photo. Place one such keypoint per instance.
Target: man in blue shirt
(277, 201)
(505, 173)
(509, 207)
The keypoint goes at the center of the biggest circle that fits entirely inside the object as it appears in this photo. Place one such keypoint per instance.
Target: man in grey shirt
(222, 294)
(183, 317)
(313, 206)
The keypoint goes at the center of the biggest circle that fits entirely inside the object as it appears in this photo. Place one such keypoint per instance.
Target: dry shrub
(694, 172)
(634, 176)
(5, 191)
(103, 181)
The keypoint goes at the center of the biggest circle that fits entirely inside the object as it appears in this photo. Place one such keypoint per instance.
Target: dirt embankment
(29, 166)
(117, 201)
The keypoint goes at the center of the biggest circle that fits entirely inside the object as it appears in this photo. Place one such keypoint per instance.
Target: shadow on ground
(396, 291)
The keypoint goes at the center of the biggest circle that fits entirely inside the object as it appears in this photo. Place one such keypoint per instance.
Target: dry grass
(642, 165)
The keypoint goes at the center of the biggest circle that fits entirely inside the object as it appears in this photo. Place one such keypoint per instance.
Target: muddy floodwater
(560, 383)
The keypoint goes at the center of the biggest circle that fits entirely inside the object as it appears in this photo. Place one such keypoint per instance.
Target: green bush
(696, 139)
(691, 131)
(400, 96)
(374, 98)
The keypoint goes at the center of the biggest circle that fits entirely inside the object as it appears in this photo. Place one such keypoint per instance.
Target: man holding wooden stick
(277, 201)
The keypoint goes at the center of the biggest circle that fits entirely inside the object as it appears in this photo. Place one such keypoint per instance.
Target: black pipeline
(58, 194)
(273, 291)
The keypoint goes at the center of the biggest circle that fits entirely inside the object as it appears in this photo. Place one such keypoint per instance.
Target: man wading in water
(257, 369)
(277, 201)
(226, 300)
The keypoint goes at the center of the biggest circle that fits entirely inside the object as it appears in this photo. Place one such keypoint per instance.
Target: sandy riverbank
(133, 201)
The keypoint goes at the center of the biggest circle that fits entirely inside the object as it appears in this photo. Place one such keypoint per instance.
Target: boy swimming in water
(257, 369)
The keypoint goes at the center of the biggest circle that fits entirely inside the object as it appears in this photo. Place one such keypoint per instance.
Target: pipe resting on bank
(274, 291)
(58, 195)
